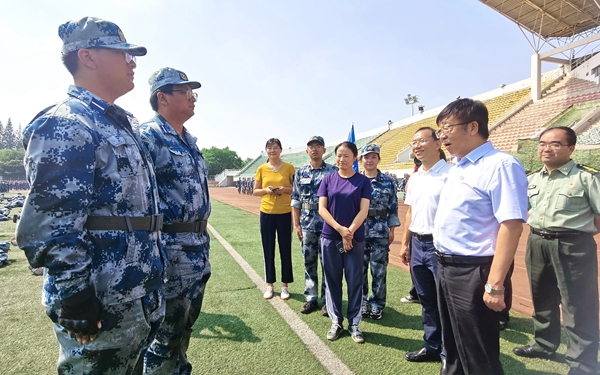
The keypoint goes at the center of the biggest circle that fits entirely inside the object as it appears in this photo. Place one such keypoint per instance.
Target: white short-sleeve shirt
(423, 195)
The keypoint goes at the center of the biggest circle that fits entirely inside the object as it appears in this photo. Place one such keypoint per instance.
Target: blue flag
(352, 139)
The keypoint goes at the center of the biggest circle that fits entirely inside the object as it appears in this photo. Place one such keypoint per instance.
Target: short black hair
(467, 110)
(432, 130)
(166, 89)
(70, 61)
(349, 145)
(571, 135)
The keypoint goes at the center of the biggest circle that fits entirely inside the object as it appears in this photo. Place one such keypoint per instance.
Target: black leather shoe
(443, 369)
(422, 356)
(529, 351)
(503, 325)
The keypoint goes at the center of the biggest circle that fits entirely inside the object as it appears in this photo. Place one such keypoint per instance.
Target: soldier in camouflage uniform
(91, 216)
(307, 221)
(379, 232)
(184, 202)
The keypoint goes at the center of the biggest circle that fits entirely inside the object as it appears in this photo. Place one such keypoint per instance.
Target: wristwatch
(495, 292)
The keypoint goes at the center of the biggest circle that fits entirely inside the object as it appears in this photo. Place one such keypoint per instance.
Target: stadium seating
(530, 120)
(513, 116)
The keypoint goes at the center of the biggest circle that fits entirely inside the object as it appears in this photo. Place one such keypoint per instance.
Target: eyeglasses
(417, 142)
(273, 148)
(447, 128)
(553, 145)
(189, 93)
(128, 57)
(314, 147)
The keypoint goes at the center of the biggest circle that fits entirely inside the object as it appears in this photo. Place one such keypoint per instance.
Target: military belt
(377, 212)
(129, 223)
(447, 259)
(551, 235)
(197, 227)
(310, 206)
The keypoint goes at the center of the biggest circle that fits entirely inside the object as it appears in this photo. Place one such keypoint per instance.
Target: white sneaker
(285, 293)
(269, 292)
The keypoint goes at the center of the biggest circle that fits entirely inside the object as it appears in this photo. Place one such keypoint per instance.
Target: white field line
(321, 351)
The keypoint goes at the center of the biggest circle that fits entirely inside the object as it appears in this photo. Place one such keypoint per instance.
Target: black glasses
(447, 128)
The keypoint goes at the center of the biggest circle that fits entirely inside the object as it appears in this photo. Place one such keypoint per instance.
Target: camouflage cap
(316, 138)
(90, 32)
(371, 147)
(170, 76)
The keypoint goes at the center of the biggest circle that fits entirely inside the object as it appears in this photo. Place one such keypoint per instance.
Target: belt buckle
(156, 223)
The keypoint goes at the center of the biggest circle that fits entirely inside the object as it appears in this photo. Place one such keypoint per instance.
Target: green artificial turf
(238, 332)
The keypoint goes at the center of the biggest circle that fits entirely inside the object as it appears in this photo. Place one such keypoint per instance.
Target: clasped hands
(347, 236)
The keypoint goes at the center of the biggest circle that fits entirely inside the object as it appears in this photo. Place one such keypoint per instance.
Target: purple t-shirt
(343, 202)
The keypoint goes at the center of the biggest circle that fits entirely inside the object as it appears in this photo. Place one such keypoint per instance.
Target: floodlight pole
(411, 100)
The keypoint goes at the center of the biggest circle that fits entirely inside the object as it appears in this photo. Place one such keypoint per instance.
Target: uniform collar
(165, 127)
(93, 101)
(565, 169)
(323, 166)
(378, 178)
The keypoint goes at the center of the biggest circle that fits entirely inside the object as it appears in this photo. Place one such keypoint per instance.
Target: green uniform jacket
(566, 199)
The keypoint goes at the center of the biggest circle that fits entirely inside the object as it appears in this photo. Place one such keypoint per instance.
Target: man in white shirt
(477, 227)
(422, 197)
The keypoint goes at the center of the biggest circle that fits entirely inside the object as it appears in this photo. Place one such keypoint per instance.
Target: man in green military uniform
(561, 259)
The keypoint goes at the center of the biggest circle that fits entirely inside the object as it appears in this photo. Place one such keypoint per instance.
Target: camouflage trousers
(127, 331)
(167, 353)
(311, 251)
(377, 257)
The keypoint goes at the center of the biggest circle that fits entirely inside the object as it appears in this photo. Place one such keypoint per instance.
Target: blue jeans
(423, 266)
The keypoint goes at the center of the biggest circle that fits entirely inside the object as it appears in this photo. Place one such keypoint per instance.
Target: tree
(19, 138)
(219, 159)
(9, 135)
(11, 164)
(2, 144)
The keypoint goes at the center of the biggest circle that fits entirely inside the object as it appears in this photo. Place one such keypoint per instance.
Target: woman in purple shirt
(344, 204)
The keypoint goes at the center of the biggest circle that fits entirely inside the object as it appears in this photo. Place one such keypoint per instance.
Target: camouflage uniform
(91, 218)
(304, 196)
(383, 214)
(82, 164)
(182, 177)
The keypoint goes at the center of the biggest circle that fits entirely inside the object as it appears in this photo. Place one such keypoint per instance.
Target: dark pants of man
(565, 272)
(471, 330)
(423, 266)
(337, 265)
(280, 226)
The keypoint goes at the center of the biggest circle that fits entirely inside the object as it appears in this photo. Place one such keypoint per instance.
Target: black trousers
(471, 330)
(280, 226)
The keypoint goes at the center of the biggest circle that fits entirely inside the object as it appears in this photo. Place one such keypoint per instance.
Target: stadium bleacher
(514, 116)
(531, 119)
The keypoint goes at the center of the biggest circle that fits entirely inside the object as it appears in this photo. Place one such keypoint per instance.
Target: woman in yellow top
(274, 183)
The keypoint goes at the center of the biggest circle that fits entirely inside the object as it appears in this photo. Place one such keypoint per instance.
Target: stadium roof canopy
(570, 27)
(557, 22)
